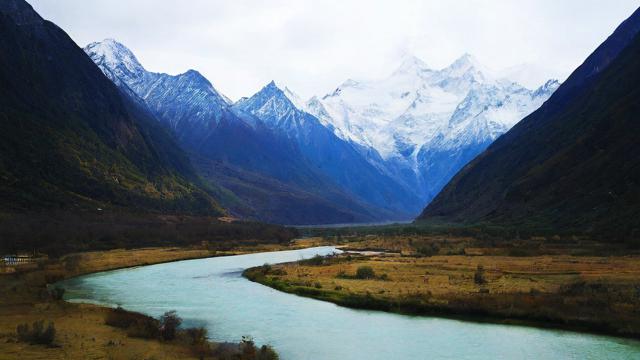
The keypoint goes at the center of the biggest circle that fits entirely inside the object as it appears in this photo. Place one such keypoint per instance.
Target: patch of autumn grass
(595, 293)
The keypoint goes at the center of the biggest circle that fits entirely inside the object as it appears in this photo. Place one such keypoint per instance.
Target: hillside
(70, 140)
(572, 165)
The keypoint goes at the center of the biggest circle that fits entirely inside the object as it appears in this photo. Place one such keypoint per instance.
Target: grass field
(81, 332)
(537, 282)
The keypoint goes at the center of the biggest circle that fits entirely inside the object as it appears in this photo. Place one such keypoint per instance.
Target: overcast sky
(313, 46)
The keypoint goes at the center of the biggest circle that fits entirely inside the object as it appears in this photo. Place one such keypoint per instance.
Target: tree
(169, 323)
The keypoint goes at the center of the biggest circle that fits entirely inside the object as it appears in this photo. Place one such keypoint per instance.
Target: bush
(122, 318)
(314, 261)
(137, 325)
(146, 328)
(429, 250)
(56, 293)
(365, 272)
(267, 353)
(37, 334)
(478, 277)
(197, 338)
(169, 323)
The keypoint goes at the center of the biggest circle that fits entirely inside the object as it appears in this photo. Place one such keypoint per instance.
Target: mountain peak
(271, 85)
(411, 64)
(113, 54)
(468, 64)
(465, 62)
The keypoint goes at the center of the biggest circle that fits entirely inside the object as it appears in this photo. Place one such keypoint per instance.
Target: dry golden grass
(81, 331)
(453, 275)
(595, 293)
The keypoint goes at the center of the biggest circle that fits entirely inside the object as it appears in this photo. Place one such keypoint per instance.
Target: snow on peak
(418, 105)
(295, 99)
(468, 65)
(269, 102)
(411, 65)
(112, 54)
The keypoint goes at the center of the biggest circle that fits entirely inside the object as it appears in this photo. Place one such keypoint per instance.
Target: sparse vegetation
(478, 276)
(169, 323)
(563, 287)
(56, 293)
(37, 333)
(365, 272)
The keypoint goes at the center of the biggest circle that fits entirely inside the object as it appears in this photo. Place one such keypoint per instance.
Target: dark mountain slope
(571, 165)
(69, 139)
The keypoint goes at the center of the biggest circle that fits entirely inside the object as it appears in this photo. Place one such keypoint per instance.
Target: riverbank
(545, 288)
(81, 331)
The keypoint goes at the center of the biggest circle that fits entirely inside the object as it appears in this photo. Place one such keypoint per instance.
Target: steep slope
(186, 103)
(338, 159)
(422, 125)
(268, 173)
(572, 164)
(69, 139)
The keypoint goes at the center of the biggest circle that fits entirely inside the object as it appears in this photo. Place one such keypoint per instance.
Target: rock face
(70, 139)
(572, 165)
(422, 125)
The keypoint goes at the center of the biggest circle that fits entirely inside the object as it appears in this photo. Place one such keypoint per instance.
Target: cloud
(313, 46)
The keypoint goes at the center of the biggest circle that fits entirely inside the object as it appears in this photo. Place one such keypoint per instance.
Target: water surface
(212, 293)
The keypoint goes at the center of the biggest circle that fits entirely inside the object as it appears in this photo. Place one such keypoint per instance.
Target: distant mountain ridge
(572, 165)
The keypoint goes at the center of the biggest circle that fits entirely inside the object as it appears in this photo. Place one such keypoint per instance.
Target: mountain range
(572, 165)
(422, 125)
(340, 159)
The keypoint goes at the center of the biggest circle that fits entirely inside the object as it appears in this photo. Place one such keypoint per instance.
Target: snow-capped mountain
(423, 124)
(254, 154)
(340, 160)
(370, 149)
(187, 102)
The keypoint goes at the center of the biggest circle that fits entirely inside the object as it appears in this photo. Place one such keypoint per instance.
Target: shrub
(365, 272)
(121, 318)
(478, 277)
(429, 250)
(267, 353)
(146, 328)
(266, 268)
(137, 325)
(37, 333)
(314, 261)
(197, 336)
(169, 323)
(56, 293)
(317, 285)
